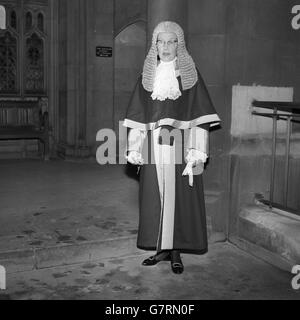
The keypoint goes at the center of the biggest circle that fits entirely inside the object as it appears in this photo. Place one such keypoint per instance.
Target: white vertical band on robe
(165, 167)
(199, 140)
(169, 200)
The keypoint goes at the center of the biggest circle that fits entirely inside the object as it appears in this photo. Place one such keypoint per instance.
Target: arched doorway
(130, 49)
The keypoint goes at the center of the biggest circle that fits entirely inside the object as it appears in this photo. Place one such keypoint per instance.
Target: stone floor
(52, 210)
(68, 231)
(224, 273)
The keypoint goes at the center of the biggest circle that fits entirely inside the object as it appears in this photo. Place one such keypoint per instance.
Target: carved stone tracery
(8, 63)
(23, 45)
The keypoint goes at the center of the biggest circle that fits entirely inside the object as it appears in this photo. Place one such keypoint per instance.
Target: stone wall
(85, 80)
(242, 42)
(129, 52)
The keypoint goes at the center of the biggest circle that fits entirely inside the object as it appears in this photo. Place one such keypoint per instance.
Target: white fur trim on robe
(135, 140)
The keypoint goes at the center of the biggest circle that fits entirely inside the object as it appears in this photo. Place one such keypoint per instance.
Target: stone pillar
(160, 10)
(85, 80)
(100, 72)
(74, 105)
(81, 143)
(54, 74)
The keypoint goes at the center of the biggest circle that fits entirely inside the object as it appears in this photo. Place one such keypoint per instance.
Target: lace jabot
(166, 85)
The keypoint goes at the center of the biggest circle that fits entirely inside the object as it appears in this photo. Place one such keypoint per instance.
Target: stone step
(68, 254)
(274, 231)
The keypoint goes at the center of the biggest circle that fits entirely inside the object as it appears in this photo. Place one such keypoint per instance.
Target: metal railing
(290, 112)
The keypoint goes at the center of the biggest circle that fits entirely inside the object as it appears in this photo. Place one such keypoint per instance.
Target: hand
(191, 172)
(135, 158)
(196, 157)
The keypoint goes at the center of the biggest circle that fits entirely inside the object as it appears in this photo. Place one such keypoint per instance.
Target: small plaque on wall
(105, 52)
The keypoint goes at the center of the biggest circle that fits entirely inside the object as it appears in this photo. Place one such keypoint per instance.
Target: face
(167, 46)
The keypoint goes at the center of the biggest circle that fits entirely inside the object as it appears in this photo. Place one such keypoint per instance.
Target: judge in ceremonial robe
(169, 116)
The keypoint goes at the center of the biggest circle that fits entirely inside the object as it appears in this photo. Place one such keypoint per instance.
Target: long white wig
(186, 64)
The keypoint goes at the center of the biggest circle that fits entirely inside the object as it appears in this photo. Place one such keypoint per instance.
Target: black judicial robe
(181, 224)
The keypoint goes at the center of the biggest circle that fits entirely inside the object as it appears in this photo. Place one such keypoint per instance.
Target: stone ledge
(52, 256)
(262, 254)
(274, 232)
(68, 254)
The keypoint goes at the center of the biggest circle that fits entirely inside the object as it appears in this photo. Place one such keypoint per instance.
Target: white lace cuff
(196, 156)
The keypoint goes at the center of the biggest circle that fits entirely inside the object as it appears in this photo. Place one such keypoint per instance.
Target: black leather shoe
(153, 260)
(177, 267)
(176, 263)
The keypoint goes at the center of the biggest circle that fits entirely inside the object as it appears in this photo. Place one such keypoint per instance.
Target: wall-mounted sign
(105, 52)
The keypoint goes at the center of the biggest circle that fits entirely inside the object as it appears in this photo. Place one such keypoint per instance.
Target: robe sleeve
(135, 140)
(199, 140)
